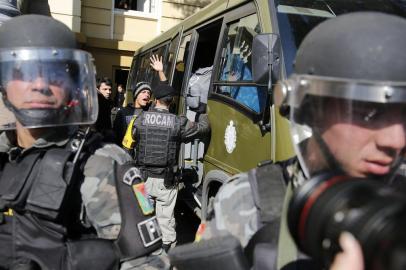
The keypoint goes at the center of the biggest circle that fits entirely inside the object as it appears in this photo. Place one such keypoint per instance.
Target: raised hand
(156, 63)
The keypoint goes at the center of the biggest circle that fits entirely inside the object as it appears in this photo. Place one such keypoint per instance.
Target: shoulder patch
(131, 175)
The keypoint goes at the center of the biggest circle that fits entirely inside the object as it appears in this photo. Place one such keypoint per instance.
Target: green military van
(236, 51)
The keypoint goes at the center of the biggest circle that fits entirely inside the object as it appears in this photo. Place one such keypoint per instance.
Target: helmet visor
(42, 88)
(358, 136)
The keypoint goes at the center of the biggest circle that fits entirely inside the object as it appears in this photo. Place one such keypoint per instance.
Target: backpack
(198, 88)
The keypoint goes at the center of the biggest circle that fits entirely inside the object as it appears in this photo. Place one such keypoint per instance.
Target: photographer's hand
(351, 256)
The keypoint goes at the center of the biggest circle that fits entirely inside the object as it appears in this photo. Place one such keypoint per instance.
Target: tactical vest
(270, 248)
(40, 193)
(158, 137)
(41, 187)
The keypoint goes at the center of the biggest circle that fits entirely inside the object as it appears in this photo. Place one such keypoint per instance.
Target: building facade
(111, 30)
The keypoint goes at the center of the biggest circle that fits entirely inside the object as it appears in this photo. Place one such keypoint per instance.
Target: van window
(296, 18)
(235, 76)
(143, 68)
(180, 63)
(168, 63)
(153, 76)
(145, 72)
(133, 74)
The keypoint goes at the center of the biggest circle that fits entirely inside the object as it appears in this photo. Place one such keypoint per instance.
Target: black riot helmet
(349, 79)
(45, 80)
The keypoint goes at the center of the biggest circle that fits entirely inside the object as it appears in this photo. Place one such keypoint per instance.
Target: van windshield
(297, 17)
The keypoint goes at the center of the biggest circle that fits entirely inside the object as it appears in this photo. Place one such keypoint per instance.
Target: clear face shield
(47, 87)
(346, 126)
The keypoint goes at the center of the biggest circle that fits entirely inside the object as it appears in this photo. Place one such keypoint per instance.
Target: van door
(237, 105)
(196, 86)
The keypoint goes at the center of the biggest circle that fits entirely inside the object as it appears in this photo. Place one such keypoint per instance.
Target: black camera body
(374, 213)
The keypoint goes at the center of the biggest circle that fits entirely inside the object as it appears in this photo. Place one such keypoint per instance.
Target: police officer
(158, 134)
(141, 95)
(347, 103)
(63, 193)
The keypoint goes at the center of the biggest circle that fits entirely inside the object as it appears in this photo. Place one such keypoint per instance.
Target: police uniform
(67, 200)
(54, 229)
(253, 206)
(158, 134)
(245, 219)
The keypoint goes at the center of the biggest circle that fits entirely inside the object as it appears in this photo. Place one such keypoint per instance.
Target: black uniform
(158, 135)
(67, 200)
(41, 208)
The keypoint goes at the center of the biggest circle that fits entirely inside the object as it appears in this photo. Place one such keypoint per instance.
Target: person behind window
(123, 4)
(238, 69)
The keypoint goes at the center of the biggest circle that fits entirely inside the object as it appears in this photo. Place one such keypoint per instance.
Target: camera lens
(327, 205)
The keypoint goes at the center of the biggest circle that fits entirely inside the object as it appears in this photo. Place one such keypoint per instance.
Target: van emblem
(230, 137)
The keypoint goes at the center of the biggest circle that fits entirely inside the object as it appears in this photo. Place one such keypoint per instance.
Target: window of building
(147, 6)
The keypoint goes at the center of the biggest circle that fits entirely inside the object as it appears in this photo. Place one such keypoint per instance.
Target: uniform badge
(230, 137)
(143, 202)
(149, 231)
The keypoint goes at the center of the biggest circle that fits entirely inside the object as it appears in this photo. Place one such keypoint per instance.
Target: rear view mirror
(266, 50)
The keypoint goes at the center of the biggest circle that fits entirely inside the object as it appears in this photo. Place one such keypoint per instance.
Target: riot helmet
(347, 95)
(44, 79)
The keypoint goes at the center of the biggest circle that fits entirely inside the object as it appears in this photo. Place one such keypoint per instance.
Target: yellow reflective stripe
(9, 212)
(128, 140)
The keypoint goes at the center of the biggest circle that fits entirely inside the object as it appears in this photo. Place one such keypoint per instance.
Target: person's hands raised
(156, 63)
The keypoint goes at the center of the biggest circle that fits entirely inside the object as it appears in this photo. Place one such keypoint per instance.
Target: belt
(146, 172)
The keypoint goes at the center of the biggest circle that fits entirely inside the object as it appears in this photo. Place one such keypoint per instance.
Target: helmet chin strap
(331, 161)
(37, 117)
(334, 164)
(390, 179)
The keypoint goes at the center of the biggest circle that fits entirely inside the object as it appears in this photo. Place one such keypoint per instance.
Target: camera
(374, 213)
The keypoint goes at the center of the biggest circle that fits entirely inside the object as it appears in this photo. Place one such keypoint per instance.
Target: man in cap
(141, 95)
(157, 134)
(347, 104)
(67, 200)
